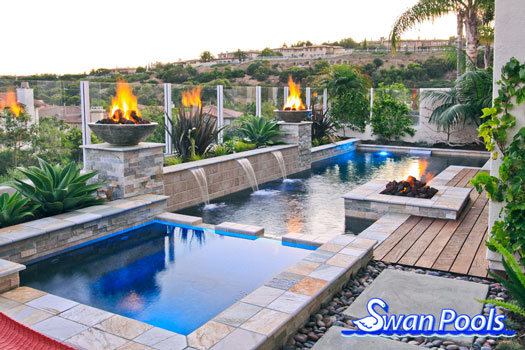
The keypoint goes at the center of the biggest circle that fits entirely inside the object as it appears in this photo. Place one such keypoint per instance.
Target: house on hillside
(313, 50)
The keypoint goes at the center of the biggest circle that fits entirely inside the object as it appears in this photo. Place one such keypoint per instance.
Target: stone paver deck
(412, 293)
(333, 340)
(455, 246)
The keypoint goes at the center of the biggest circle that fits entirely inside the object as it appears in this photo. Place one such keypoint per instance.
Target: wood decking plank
(466, 255)
(465, 181)
(429, 257)
(417, 249)
(454, 244)
(480, 264)
(458, 177)
(395, 237)
(406, 242)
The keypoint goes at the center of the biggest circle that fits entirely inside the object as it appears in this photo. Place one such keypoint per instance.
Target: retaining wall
(333, 149)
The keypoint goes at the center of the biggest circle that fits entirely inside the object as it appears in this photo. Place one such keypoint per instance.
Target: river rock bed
(331, 313)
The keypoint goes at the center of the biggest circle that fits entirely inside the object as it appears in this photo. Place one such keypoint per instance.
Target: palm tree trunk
(486, 55)
(471, 29)
(459, 17)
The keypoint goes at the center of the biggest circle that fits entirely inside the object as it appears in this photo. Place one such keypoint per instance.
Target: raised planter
(123, 134)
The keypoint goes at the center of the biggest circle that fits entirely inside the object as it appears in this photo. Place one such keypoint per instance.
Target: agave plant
(260, 132)
(14, 209)
(193, 132)
(58, 188)
(515, 283)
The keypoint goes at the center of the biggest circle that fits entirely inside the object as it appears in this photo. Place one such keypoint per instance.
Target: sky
(70, 36)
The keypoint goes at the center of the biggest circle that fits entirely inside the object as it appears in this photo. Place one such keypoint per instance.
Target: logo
(448, 324)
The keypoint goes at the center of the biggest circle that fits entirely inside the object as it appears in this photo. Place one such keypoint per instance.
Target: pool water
(167, 276)
(310, 202)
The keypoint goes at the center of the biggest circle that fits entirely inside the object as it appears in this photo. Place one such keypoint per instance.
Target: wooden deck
(447, 245)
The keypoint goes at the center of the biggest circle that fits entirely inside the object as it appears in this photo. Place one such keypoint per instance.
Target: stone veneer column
(135, 170)
(301, 135)
(508, 42)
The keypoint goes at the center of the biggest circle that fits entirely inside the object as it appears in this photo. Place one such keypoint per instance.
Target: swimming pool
(169, 276)
(310, 202)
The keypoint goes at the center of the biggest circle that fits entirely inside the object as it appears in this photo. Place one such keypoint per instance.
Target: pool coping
(261, 320)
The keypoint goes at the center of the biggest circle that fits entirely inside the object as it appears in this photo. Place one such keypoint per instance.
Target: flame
(294, 101)
(11, 103)
(192, 98)
(124, 104)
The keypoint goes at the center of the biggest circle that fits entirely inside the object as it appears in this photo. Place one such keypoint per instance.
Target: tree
(302, 43)
(347, 43)
(15, 131)
(267, 52)
(240, 55)
(390, 118)
(206, 56)
(486, 36)
(469, 15)
(348, 90)
(472, 92)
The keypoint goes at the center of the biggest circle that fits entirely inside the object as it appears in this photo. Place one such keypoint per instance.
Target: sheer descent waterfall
(200, 176)
(250, 173)
(280, 159)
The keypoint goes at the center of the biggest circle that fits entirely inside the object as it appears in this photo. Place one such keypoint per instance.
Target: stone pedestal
(131, 170)
(301, 135)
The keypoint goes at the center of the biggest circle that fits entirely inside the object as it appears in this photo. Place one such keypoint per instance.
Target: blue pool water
(310, 202)
(170, 277)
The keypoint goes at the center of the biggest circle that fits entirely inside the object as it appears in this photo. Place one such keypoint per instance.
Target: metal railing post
(308, 102)
(85, 111)
(258, 101)
(325, 100)
(168, 118)
(371, 101)
(286, 92)
(220, 115)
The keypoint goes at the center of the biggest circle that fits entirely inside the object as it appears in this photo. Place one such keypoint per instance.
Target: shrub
(260, 132)
(221, 149)
(171, 160)
(58, 188)
(515, 283)
(240, 146)
(391, 118)
(14, 209)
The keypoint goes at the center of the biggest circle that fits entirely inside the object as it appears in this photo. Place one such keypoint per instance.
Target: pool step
(180, 219)
(243, 229)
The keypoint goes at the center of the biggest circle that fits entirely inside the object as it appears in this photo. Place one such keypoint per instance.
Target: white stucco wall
(509, 42)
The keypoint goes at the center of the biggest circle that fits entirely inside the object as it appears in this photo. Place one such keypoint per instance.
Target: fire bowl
(292, 116)
(123, 134)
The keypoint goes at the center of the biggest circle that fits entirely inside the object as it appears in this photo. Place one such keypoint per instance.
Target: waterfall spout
(200, 176)
(280, 160)
(250, 173)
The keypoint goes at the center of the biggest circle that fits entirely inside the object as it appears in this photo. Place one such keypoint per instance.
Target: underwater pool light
(383, 153)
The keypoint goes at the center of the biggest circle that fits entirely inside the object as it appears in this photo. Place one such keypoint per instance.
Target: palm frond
(423, 11)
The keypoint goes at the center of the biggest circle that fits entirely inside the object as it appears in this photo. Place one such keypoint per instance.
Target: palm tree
(470, 14)
(464, 102)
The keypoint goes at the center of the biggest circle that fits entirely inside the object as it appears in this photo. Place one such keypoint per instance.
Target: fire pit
(294, 111)
(411, 187)
(124, 126)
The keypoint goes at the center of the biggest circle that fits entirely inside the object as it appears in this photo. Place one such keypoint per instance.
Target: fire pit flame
(294, 102)
(411, 187)
(11, 102)
(124, 107)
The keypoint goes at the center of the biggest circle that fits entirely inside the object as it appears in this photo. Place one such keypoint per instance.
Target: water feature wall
(225, 175)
